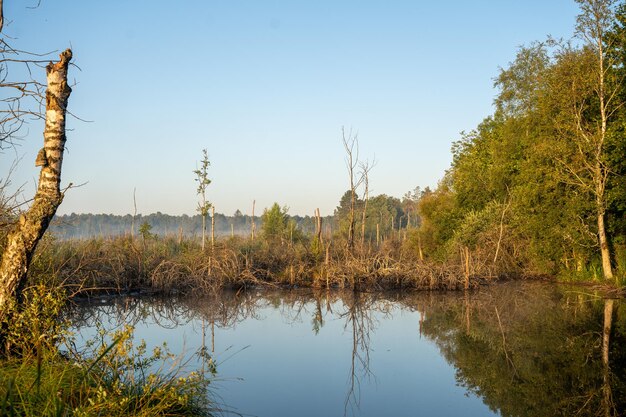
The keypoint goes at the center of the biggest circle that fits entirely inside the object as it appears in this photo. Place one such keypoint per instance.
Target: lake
(512, 349)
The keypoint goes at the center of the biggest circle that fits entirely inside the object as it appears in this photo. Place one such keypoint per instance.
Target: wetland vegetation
(535, 191)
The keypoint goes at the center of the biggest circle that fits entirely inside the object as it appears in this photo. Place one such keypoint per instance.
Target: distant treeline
(84, 226)
(385, 216)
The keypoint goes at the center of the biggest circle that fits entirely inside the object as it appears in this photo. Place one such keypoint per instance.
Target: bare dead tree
(364, 171)
(253, 224)
(351, 146)
(318, 225)
(21, 93)
(132, 224)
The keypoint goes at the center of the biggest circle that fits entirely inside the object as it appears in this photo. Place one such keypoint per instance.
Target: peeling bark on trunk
(604, 247)
(23, 239)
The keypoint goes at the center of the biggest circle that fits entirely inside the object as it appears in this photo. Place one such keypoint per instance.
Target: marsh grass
(120, 382)
(166, 265)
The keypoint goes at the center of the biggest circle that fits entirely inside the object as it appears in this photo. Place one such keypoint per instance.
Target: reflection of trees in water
(534, 350)
(359, 319)
(526, 349)
(230, 308)
(226, 311)
(607, 400)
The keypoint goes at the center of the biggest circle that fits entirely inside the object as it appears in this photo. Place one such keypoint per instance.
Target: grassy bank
(43, 374)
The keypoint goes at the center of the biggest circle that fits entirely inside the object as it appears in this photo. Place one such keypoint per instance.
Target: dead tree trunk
(203, 230)
(318, 226)
(351, 146)
(212, 227)
(132, 224)
(419, 245)
(365, 170)
(466, 257)
(23, 239)
(253, 224)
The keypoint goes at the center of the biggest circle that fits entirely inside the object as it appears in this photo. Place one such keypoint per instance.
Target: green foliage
(125, 379)
(542, 343)
(144, 230)
(476, 224)
(440, 216)
(382, 210)
(276, 224)
(342, 214)
(385, 211)
(114, 376)
(317, 248)
(543, 154)
(33, 327)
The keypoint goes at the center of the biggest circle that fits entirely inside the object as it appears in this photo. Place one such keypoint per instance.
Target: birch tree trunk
(592, 26)
(604, 244)
(23, 239)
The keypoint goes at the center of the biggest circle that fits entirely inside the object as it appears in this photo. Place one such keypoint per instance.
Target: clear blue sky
(266, 86)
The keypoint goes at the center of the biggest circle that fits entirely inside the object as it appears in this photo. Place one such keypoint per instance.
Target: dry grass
(165, 265)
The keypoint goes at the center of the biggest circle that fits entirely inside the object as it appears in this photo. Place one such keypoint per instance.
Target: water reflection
(535, 350)
(519, 349)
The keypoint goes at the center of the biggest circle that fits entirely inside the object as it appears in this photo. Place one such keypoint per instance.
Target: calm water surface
(515, 349)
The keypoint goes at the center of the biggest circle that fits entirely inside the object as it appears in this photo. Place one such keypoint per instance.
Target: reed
(170, 265)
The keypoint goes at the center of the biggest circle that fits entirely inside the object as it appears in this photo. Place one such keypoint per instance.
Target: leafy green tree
(145, 231)
(591, 88)
(385, 212)
(202, 178)
(544, 173)
(409, 206)
(440, 216)
(616, 144)
(275, 223)
(343, 213)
